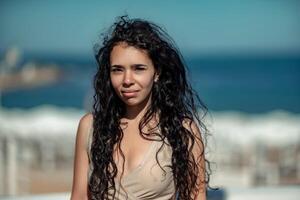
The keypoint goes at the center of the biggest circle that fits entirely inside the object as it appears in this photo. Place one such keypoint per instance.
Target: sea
(253, 104)
(248, 84)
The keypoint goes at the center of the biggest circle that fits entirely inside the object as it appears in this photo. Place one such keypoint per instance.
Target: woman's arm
(81, 162)
(198, 153)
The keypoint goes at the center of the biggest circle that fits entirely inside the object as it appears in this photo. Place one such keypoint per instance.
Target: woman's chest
(132, 151)
(153, 178)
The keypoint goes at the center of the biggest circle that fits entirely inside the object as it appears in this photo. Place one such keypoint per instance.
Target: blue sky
(198, 27)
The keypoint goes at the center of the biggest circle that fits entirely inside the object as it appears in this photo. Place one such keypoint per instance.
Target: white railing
(58, 196)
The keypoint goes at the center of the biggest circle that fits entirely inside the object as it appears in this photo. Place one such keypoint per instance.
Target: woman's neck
(135, 113)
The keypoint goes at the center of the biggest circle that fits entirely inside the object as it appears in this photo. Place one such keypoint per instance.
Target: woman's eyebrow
(116, 66)
(134, 65)
(139, 65)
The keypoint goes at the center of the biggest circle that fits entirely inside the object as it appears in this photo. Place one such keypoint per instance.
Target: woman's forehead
(126, 53)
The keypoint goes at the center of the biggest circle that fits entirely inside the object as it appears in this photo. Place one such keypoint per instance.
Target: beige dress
(148, 180)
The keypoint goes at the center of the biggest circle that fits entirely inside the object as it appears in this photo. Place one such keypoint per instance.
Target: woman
(143, 138)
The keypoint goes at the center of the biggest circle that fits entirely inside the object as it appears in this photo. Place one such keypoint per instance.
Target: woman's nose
(128, 78)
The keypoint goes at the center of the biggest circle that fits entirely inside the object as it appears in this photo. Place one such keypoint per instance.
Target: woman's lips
(130, 94)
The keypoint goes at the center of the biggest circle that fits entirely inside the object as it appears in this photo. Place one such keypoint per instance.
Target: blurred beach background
(243, 60)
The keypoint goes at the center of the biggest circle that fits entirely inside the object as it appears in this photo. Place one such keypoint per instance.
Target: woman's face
(132, 74)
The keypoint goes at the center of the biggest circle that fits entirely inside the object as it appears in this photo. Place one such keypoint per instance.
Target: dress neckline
(139, 166)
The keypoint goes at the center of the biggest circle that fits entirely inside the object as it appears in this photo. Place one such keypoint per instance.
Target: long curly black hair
(172, 95)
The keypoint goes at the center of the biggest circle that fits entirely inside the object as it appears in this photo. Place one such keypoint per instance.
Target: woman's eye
(140, 68)
(116, 70)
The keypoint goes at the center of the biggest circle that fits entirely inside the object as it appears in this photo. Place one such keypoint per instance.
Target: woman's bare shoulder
(87, 119)
(85, 123)
(190, 125)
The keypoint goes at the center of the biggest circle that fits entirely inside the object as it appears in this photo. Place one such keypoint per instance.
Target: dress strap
(89, 139)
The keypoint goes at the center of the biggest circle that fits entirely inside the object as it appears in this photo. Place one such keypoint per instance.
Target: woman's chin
(132, 102)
